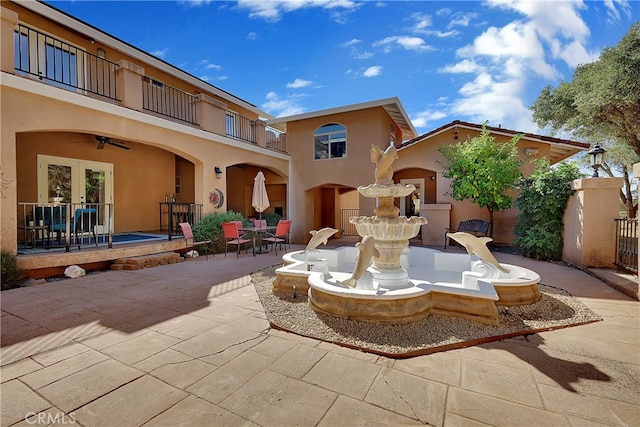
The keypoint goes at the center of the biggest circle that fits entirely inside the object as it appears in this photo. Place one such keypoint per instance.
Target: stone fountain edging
(404, 305)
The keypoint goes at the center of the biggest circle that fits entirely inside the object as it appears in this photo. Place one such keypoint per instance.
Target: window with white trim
(330, 142)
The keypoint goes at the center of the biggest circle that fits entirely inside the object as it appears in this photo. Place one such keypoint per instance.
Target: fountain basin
(439, 283)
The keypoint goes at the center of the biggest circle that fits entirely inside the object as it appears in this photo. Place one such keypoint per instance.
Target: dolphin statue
(478, 246)
(320, 236)
(366, 250)
(383, 160)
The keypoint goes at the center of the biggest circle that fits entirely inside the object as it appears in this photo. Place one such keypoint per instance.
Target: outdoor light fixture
(455, 133)
(531, 151)
(596, 154)
(218, 172)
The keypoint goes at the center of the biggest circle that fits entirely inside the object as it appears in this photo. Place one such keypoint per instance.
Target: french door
(66, 180)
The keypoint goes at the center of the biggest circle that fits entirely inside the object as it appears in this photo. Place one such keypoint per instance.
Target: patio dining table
(256, 235)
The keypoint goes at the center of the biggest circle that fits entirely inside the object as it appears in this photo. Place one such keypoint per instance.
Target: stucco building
(88, 118)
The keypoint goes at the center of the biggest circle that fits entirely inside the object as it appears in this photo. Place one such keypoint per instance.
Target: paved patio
(188, 345)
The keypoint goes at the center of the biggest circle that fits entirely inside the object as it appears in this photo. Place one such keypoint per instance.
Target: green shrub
(272, 218)
(542, 201)
(210, 227)
(11, 273)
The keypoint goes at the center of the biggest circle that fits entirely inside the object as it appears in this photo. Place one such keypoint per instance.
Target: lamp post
(596, 154)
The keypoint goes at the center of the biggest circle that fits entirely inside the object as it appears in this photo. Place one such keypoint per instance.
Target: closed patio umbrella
(259, 198)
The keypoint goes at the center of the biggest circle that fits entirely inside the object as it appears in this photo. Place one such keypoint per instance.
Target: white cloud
(194, 3)
(350, 43)
(424, 118)
(208, 78)
(613, 14)
(160, 53)
(373, 71)
(252, 36)
(272, 10)
(298, 83)
(281, 107)
(405, 42)
(213, 67)
(422, 22)
(461, 19)
(361, 55)
(464, 66)
(503, 60)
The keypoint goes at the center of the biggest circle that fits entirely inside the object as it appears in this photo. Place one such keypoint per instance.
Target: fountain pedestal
(391, 233)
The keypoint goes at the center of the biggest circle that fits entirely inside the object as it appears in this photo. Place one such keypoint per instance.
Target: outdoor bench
(477, 227)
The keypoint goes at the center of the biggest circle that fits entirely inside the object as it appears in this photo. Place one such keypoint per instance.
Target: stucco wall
(146, 166)
(364, 128)
(589, 234)
(425, 156)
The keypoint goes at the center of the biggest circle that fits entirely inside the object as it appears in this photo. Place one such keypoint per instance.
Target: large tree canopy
(483, 170)
(602, 102)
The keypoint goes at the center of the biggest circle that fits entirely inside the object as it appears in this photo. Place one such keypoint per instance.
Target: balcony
(57, 63)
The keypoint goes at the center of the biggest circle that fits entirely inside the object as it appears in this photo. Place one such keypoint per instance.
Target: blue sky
(445, 60)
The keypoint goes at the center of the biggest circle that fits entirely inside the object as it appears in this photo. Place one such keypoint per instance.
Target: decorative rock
(74, 271)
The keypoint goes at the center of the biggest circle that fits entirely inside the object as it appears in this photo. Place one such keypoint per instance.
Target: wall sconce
(596, 155)
(218, 172)
(101, 53)
(432, 178)
(531, 151)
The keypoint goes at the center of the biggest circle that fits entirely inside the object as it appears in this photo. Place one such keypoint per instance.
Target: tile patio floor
(188, 345)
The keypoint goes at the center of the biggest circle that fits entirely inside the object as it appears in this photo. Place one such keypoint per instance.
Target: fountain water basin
(383, 280)
(450, 284)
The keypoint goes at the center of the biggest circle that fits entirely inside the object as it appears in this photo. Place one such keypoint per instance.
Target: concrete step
(146, 261)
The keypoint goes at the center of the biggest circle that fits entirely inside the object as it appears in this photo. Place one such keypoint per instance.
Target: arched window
(330, 142)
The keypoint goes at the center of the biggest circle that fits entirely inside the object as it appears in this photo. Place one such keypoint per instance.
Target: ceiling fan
(103, 140)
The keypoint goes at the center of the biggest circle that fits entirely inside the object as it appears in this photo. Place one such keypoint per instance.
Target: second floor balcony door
(67, 180)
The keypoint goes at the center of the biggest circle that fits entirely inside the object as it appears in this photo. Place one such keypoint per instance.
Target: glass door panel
(64, 180)
(59, 182)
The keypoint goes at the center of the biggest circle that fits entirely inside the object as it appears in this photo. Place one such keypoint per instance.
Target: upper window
(330, 141)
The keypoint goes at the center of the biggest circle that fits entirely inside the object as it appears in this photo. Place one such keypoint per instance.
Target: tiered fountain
(383, 280)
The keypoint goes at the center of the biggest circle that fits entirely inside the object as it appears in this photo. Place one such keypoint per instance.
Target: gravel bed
(556, 309)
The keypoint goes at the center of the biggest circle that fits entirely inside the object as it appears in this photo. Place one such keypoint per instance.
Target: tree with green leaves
(542, 201)
(601, 104)
(483, 171)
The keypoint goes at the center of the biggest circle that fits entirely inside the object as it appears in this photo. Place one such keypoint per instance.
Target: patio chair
(280, 236)
(232, 237)
(260, 223)
(83, 221)
(238, 224)
(190, 242)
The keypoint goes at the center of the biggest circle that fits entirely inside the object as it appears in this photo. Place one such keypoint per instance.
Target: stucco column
(261, 133)
(8, 21)
(438, 219)
(589, 226)
(129, 82)
(211, 114)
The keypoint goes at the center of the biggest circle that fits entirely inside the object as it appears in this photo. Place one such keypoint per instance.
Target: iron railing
(627, 244)
(168, 101)
(241, 128)
(276, 140)
(51, 225)
(63, 65)
(173, 213)
(348, 229)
